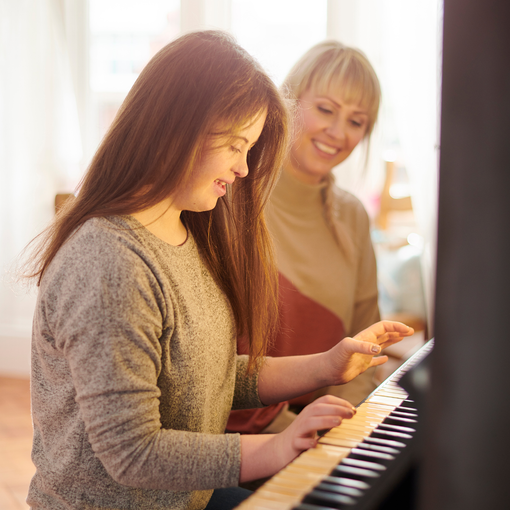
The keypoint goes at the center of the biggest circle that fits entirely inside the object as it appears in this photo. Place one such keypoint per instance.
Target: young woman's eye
(357, 124)
(324, 109)
(235, 149)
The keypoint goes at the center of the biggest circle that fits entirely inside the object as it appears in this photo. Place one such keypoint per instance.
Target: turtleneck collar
(297, 197)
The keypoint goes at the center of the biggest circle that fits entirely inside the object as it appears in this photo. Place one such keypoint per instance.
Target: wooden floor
(16, 468)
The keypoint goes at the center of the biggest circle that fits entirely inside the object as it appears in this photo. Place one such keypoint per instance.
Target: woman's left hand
(352, 356)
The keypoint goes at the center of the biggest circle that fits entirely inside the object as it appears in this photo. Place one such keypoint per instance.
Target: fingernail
(353, 410)
(376, 349)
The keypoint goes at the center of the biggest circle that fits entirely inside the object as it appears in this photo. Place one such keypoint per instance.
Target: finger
(398, 327)
(389, 337)
(332, 399)
(362, 347)
(311, 425)
(343, 411)
(393, 338)
(390, 341)
(378, 360)
(381, 328)
(305, 443)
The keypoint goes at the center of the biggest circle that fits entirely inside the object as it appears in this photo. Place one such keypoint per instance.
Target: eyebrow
(359, 112)
(246, 140)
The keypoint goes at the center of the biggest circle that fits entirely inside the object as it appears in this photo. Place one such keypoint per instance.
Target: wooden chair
(389, 204)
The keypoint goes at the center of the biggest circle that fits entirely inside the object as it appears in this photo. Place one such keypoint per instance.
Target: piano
(357, 464)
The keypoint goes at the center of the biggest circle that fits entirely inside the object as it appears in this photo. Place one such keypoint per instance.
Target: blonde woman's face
(329, 132)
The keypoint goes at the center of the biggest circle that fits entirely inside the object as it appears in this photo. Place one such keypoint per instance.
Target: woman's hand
(263, 455)
(352, 356)
(322, 414)
(288, 377)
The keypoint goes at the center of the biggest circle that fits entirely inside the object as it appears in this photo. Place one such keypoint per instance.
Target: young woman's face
(330, 131)
(221, 164)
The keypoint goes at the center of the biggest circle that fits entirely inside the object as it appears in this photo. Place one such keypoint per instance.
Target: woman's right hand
(322, 414)
(263, 455)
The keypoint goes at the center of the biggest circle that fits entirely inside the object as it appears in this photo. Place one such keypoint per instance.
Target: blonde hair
(332, 65)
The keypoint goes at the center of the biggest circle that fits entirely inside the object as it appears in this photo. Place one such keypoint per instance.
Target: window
(278, 33)
(124, 35)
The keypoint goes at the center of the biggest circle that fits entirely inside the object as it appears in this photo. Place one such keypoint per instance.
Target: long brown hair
(193, 84)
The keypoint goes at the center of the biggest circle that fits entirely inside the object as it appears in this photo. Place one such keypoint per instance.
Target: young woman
(326, 262)
(145, 281)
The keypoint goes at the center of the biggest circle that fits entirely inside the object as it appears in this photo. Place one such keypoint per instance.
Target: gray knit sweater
(134, 372)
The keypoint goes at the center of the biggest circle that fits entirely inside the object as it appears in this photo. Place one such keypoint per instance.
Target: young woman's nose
(241, 168)
(336, 128)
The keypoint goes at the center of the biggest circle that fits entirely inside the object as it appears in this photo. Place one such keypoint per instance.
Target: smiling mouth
(326, 148)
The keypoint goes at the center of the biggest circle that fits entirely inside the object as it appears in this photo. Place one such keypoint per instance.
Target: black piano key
(371, 454)
(398, 420)
(405, 411)
(339, 489)
(384, 442)
(328, 498)
(374, 466)
(378, 448)
(348, 482)
(398, 428)
(379, 433)
(354, 472)
(310, 506)
(403, 408)
(403, 414)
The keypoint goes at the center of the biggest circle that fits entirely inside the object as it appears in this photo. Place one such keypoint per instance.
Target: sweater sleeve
(246, 394)
(105, 314)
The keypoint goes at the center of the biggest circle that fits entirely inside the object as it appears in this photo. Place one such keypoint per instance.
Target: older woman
(326, 262)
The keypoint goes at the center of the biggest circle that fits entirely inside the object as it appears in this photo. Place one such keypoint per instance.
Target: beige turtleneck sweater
(309, 257)
(325, 294)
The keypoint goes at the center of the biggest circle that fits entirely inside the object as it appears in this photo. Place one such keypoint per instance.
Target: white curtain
(402, 39)
(40, 150)
(414, 44)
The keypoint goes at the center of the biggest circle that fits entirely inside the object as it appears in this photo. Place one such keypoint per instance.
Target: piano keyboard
(349, 459)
